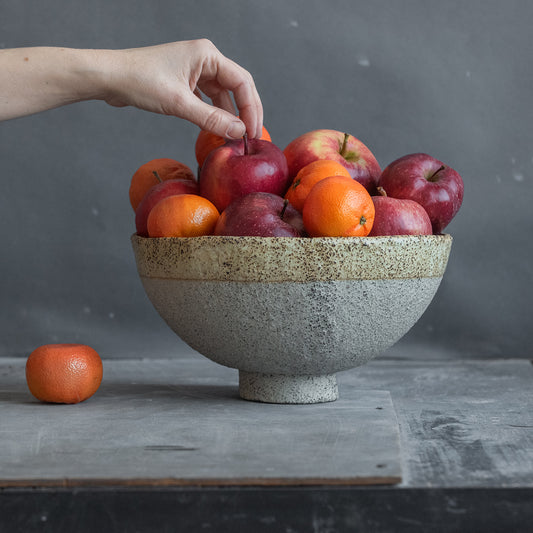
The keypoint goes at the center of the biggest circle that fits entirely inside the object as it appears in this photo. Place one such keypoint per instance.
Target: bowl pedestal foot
(278, 388)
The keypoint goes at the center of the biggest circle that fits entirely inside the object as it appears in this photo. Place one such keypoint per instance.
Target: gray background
(453, 79)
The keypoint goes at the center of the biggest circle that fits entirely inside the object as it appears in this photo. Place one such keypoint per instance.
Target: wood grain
(167, 423)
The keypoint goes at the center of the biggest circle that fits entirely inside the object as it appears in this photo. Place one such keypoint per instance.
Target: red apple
(241, 167)
(437, 187)
(260, 214)
(338, 146)
(157, 193)
(398, 217)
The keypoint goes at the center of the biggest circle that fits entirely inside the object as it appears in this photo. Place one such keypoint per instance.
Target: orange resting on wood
(63, 373)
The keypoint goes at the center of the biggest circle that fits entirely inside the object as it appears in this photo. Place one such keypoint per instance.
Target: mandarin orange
(63, 373)
(182, 215)
(338, 206)
(310, 175)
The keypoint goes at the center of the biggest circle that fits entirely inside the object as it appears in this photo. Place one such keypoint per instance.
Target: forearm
(164, 79)
(41, 78)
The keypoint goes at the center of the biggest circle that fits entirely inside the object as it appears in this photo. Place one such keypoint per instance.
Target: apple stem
(285, 204)
(432, 177)
(382, 191)
(245, 137)
(344, 143)
(157, 176)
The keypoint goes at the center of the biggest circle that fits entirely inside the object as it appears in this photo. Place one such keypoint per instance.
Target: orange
(206, 142)
(182, 215)
(144, 178)
(63, 373)
(308, 176)
(338, 207)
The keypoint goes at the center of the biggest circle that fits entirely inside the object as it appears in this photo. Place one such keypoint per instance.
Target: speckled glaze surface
(291, 259)
(289, 313)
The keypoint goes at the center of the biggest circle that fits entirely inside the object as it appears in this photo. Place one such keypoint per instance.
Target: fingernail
(236, 130)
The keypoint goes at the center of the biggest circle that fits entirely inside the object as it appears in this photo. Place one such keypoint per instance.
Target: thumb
(213, 119)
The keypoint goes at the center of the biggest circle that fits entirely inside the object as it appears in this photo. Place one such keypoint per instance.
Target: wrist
(92, 74)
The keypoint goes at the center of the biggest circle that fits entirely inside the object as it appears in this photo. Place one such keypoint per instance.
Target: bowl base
(277, 388)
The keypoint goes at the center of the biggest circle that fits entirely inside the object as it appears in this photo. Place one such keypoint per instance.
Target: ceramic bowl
(289, 313)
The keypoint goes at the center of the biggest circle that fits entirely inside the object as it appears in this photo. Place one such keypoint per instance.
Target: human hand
(170, 79)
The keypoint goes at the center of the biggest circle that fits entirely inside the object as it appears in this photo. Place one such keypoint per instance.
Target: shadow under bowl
(289, 313)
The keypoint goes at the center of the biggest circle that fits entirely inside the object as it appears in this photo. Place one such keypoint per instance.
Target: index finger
(240, 82)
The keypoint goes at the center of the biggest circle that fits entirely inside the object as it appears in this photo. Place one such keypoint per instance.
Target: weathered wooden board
(181, 422)
(462, 423)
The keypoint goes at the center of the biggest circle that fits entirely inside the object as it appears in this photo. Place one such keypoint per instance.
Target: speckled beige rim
(281, 259)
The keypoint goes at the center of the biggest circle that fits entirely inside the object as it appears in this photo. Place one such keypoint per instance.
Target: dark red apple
(437, 187)
(158, 192)
(337, 146)
(241, 167)
(260, 214)
(398, 217)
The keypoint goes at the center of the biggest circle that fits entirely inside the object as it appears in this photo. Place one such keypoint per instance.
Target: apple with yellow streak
(337, 146)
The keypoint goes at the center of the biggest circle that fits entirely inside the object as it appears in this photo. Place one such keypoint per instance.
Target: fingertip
(235, 130)
(250, 127)
(255, 131)
(260, 128)
(259, 121)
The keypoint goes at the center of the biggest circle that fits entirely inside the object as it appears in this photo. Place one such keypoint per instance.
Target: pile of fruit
(325, 183)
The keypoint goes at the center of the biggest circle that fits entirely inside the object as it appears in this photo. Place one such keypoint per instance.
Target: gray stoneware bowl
(289, 313)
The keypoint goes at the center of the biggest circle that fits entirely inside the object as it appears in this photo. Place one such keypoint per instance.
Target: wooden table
(167, 445)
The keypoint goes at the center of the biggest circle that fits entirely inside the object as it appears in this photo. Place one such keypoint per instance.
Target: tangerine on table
(206, 142)
(63, 373)
(338, 206)
(310, 175)
(182, 215)
(144, 177)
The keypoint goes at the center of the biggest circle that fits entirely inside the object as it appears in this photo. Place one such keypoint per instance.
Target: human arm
(166, 79)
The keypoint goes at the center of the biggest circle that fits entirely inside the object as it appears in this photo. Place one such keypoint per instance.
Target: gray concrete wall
(453, 79)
